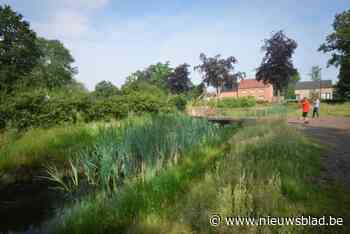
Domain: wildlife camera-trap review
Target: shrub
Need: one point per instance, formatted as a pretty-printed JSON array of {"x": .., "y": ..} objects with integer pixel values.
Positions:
[
  {"x": 179, "y": 101},
  {"x": 37, "y": 109},
  {"x": 233, "y": 102}
]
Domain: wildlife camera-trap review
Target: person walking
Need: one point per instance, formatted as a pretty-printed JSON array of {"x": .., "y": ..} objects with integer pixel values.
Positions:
[
  {"x": 305, "y": 105},
  {"x": 316, "y": 108}
]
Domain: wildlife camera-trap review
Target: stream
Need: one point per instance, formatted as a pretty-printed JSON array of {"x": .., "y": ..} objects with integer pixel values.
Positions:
[{"x": 24, "y": 207}]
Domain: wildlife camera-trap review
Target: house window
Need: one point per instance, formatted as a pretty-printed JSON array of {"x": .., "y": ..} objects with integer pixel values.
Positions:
[
  {"x": 328, "y": 96},
  {"x": 297, "y": 96}
]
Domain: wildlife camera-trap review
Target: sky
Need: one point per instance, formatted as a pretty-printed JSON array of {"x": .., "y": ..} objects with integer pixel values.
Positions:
[{"x": 110, "y": 39}]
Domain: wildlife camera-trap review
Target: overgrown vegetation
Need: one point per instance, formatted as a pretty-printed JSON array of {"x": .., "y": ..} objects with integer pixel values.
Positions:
[
  {"x": 137, "y": 147},
  {"x": 38, "y": 146},
  {"x": 264, "y": 170}
]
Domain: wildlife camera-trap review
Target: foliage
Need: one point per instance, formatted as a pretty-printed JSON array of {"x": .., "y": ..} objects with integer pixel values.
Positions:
[
  {"x": 156, "y": 75},
  {"x": 179, "y": 101},
  {"x": 217, "y": 71},
  {"x": 315, "y": 73},
  {"x": 289, "y": 91},
  {"x": 71, "y": 104},
  {"x": 37, "y": 109},
  {"x": 37, "y": 147},
  {"x": 338, "y": 44},
  {"x": 54, "y": 69},
  {"x": 277, "y": 67},
  {"x": 233, "y": 102},
  {"x": 247, "y": 178},
  {"x": 178, "y": 81},
  {"x": 19, "y": 53},
  {"x": 106, "y": 89},
  {"x": 140, "y": 147}
]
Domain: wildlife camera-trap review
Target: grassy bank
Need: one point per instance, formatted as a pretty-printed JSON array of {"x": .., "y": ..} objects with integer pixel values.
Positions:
[
  {"x": 37, "y": 147},
  {"x": 326, "y": 110},
  {"x": 265, "y": 170}
]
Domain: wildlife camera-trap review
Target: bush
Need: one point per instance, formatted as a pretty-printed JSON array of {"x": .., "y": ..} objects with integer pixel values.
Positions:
[
  {"x": 179, "y": 101},
  {"x": 39, "y": 109},
  {"x": 36, "y": 109},
  {"x": 233, "y": 102}
]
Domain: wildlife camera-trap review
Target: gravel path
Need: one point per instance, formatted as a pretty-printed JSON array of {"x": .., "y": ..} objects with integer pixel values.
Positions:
[{"x": 334, "y": 132}]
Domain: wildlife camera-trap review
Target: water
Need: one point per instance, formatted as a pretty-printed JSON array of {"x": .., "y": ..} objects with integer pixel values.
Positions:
[{"x": 24, "y": 207}]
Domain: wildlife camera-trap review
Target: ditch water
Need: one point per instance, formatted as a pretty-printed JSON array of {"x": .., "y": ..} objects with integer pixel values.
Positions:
[{"x": 24, "y": 207}]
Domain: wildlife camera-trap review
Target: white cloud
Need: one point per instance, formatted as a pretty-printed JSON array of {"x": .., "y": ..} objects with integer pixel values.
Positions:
[
  {"x": 113, "y": 47},
  {"x": 64, "y": 25}
]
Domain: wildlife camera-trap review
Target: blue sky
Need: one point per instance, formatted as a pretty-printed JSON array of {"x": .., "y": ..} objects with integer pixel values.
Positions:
[{"x": 110, "y": 39}]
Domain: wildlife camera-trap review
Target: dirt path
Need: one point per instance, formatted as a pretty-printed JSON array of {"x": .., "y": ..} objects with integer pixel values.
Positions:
[{"x": 334, "y": 132}]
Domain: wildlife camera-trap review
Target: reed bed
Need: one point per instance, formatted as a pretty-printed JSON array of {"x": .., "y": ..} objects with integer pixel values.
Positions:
[{"x": 136, "y": 148}]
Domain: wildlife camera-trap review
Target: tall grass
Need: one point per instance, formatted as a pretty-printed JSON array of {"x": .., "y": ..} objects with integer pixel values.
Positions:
[
  {"x": 140, "y": 147},
  {"x": 264, "y": 170},
  {"x": 39, "y": 146}
]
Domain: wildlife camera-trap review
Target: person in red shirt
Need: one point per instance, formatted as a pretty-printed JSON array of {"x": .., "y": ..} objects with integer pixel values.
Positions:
[{"x": 305, "y": 104}]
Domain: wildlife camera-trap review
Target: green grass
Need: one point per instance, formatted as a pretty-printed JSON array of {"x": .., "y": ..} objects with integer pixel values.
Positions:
[
  {"x": 326, "y": 110},
  {"x": 264, "y": 170},
  {"x": 138, "y": 147},
  {"x": 37, "y": 147}
]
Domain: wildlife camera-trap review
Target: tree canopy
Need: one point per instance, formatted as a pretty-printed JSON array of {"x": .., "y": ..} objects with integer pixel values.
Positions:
[
  {"x": 19, "y": 52},
  {"x": 179, "y": 81},
  {"x": 315, "y": 73},
  {"x": 338, "y": 44},
  {"x": 277, "y": 66},
  {"x": 156, "y": 74},
  {"x": 106, "y": 89},
  {"x": 217, "y": 71},
  {"x": 55, "y": 68}
]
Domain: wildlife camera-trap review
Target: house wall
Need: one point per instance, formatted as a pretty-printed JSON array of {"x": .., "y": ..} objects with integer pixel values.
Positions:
[
  {"x": 228, "y": 94},
  {"x": 326, "y": 93},
  {"x": 265, "y": 94}
]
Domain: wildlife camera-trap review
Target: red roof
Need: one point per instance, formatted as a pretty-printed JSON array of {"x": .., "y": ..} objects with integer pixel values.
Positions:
[{"x": 252, "y": 83}]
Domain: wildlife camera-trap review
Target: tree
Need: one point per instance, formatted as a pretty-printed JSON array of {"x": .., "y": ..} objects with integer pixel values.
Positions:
[
  {"x": 338, "y": 44},
  {"x": 19, "y": 52},
  {"x": 277, "y": 67},
  {"x": 178, "y": 81},
  {"x": 156, "y": 74},
  {"x": 217, "y": 71},
  {"x": 289, "y": 92},
  {"x": 315, "y": 73},
  {"x": 55, "y": 68},
  {"x": 106, "y": 89}
]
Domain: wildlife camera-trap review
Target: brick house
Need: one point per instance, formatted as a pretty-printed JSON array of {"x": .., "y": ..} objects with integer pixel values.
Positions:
[
  {"x": 309, "y": 88},
  {"x": 249, "y": 87}
]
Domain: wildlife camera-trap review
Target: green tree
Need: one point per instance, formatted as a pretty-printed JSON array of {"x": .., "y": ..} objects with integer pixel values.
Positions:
[
  {"x": 289, "y": 92},
  {"x": 156, "y": 75},
  {"x": 55, "y": 68},
  {"x": 217, "y": 71},
  {"x": 277, "y": 66},
  {"x": 338, "y": 44},
  {"x": 106, "y": 89},
  {"x": 315, "y": 74},
  {"x": 19, "y": 52}
]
